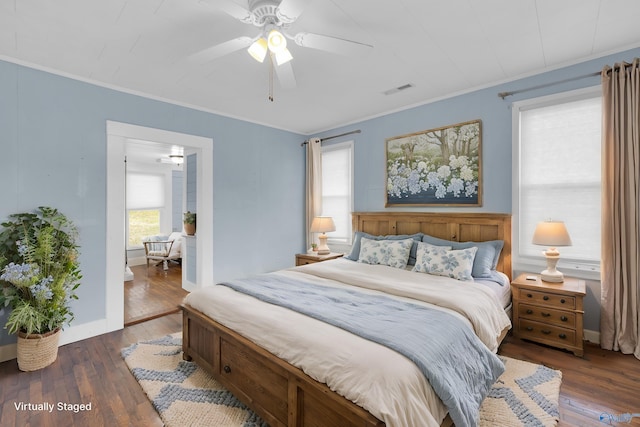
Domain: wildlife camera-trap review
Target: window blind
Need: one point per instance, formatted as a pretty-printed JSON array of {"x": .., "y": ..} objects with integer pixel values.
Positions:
[
  {"x": 144, "y": 191},
  {"x": 337, "y": 189},
  {"x": 559, "y": 175}
]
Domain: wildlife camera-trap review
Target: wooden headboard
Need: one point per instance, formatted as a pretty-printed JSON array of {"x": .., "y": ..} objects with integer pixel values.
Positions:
[{"x": 459, "y": 227}]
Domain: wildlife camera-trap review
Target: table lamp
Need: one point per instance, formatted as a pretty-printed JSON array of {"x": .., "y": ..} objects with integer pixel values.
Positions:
[
  {"x": 551, "y": 234},
  {"x": 322, "y": 224}
]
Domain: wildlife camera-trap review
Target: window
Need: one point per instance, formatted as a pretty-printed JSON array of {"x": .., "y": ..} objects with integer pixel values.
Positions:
[
  {"x": 557, "y": 173},
  {"x": 337, "y": 189},
  {"x": 142, "y": 223},
  {"x": 145, "y": 200}
]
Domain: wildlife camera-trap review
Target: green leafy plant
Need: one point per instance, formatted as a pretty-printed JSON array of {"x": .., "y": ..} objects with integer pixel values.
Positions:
[
  {"x": 40, "y": 271},
  {"x": 189, "y": 217}
]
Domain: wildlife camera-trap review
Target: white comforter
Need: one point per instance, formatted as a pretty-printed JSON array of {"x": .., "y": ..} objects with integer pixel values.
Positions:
[{"x": 384, "y": 382}]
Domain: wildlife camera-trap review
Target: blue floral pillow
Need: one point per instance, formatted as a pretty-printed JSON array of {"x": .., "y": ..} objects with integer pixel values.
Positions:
[
  {"x": 394, "y": 253},
  {"x": 442, "y": 261}
]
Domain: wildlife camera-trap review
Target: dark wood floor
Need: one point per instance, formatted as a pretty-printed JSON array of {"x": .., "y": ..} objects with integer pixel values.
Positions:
[
  {"x": 86, "y": 372},
  {"x": 92, "y": 371},
  {"x": 153, "y": 293},
  {"x": 600, "y": 383}
]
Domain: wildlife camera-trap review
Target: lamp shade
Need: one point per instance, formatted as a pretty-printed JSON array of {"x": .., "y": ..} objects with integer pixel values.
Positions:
[
  {"x": 276, "y": 41},
  {"x": 258, "y": 50},
  {"x": 322, "y": 224},
  {"x": 551, "y": 233}
]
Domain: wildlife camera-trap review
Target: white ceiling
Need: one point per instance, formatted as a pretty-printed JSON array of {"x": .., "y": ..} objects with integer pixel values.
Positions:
[{"x": 441, "y": 47}]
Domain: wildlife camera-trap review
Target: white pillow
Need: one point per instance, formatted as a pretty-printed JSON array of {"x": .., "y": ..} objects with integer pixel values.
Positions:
[
  {"x": 394, "y": 253},
  {"x": 442, "y": 261}
]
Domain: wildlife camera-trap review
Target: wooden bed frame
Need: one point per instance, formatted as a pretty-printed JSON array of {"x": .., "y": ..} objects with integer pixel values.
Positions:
[{"x": 282, "y": 394}]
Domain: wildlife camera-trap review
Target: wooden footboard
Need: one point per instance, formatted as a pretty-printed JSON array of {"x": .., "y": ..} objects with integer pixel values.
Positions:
[{"x": 280, "y": 393}]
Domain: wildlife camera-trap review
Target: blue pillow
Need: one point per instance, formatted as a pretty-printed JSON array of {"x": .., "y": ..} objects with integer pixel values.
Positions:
[
  {"x": 486, "y": 258},
  {"x": 355, "y": 249}
]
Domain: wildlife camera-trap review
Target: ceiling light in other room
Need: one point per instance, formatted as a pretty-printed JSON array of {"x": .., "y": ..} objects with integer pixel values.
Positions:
[{"x": 176, "y": 158}]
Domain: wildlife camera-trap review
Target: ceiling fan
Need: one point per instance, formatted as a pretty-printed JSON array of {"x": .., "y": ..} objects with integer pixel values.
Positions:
[{"x": 274, "y": 17}]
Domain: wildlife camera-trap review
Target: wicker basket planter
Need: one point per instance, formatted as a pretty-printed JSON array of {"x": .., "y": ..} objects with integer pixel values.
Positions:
[{"x": 37, "y": 351}]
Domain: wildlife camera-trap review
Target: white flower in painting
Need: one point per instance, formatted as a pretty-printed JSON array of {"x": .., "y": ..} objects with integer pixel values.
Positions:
[
  {"x": 444, "y": 171},
  {"x": 471, "y": 188},
  {"x": 422, "y": 166},
  {"x": 458, "y": 162},
  {"x": 456, "y": 186},
  {"x": 466, "y": 173}
]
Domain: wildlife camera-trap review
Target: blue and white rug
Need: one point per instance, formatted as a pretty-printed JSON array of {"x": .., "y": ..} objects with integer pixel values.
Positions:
[{"x": 185, "y": 395}]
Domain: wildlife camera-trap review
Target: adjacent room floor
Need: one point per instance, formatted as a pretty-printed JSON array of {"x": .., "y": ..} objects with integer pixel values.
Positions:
[{"x": 153, "y": 293}]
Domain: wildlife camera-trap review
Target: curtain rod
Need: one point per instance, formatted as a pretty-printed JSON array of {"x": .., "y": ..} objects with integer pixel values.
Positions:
[
  {"x": 334, "y": 136},
  {"x": 503, "y": 95}
]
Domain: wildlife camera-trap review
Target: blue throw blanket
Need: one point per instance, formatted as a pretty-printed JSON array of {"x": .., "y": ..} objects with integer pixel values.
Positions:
[{"x": 459, "y": 367}]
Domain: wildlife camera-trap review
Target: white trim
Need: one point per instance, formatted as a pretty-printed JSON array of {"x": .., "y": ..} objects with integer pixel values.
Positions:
[
  {"x": 69, "y": 335},
  {"x": 592, "y": 336},
  {"x": 117, "y": 135}
]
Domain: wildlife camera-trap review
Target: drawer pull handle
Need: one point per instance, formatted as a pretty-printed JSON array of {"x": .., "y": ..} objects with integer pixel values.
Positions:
[
  {"x": 545, "y": 314},
  {"x": 227, "y": 369},
  {"x": 562, "y": 301},
  {"x": 529, "y": 311},
  {"x": 563, "y": 336},
  {"x": 564, "y": 318},
  {"x": 529, "y": 296},
  {"x": 546, "y": 298},
  {"x": 546, "y": 332},
  {"x": 529, "y": 328}
]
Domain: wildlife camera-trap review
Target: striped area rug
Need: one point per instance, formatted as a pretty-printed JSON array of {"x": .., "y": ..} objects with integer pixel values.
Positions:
[{"x": 185, "y": 395}]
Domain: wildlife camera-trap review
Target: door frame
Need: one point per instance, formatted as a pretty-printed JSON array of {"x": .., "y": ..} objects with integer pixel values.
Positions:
[{"x": 117, "y": 135}]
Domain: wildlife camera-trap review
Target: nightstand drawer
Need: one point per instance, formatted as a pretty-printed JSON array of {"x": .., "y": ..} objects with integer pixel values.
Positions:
[
  {"x": 543, "y": 332},
  {"x": 548, "y": 299},
  {"x": 565, "y": 319}
]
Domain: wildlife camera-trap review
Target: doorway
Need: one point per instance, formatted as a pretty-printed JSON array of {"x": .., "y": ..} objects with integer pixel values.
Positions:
[{"x": 117, "y": 136}]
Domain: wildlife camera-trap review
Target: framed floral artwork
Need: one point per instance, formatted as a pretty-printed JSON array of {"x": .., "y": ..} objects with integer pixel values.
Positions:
[{"x": 436, "y": 167}]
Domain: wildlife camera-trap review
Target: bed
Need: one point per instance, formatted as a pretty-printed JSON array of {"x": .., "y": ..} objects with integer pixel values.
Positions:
[{"x": 300, "y": 371}]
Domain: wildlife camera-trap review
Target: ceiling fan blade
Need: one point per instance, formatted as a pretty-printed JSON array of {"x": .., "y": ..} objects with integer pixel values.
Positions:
[
  {"x": 229, "y": 7},
  {"x": 290, "y": 10},
  {"x": 331, "y": 44},
  {"x": 219, "y": 50},
  {"x": 285, "y": 74}
]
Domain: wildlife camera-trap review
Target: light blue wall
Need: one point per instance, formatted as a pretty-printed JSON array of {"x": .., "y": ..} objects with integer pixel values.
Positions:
[
  {"x": 495, "y": 114},
  {"x": 53, "y": 144},
  {"x": 176, "y": 200}
]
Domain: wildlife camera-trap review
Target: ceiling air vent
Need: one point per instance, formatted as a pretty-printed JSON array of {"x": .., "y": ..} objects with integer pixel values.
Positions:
[{"x": 398, "y": 89}]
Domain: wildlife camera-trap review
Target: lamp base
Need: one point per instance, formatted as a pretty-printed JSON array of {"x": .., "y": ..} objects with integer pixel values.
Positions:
[
  {"x": 552, "y": 276},
  {"x": 323, "y": 249}
]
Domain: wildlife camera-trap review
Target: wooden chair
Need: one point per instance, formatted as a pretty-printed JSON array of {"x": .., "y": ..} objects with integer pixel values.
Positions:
[{"x": 162, "y": 251}]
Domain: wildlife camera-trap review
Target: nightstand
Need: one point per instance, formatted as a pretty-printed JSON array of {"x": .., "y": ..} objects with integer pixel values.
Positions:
[
  {"x": 303, "y": 259},
  {"x": 549, "y": 313}
]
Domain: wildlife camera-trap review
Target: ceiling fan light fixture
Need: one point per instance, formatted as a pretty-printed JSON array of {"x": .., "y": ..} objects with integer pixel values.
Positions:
[
  {"x": 283, "y": 56},
  {"x": 276, "y": 41},
  {"x": 258, "y": 49}
]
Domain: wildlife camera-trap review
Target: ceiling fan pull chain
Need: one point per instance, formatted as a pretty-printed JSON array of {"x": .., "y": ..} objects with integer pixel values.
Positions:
[{"x": 271, "y": 78}]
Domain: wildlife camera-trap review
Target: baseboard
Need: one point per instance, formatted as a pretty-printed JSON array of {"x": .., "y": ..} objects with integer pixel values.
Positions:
[
  {"x": 8, "y": 352},
  {"x": 132, "y": 262},
  {"x": 68, "y": 336},
  {"x": 592, "y": 336}
]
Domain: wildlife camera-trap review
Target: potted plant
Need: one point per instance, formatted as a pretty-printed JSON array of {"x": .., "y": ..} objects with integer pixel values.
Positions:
[
  {"x": 189, "y": 221},
  {"x": 39, "y": 274}
]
